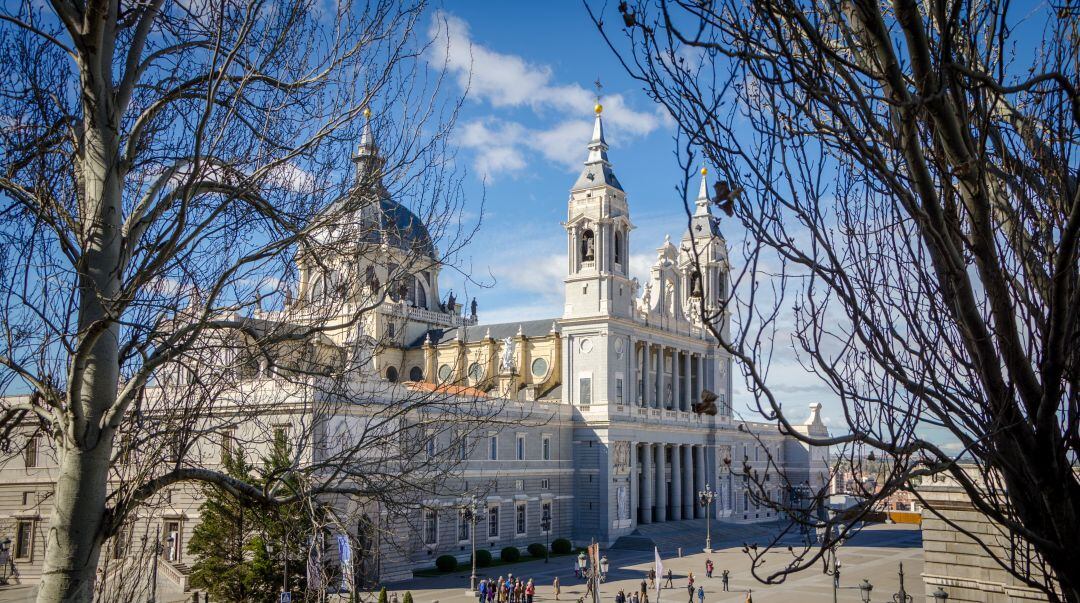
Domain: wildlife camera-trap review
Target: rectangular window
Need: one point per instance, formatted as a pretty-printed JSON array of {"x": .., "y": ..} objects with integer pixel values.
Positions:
[
  {"x": 585, "y": 391},
  {"x": 172, "y": 544},
  {"x": 431, "y": 447},
  {"x": 493, "y": 522},
  {"x": 228, "y": 437},
  {"x": 27, "y": 499},
  {"x": 520, "y": 447},
  {"x": 31, "y": 453},
  {"x": 519, "y": 484},
  {"x": 463, "y": 527},
  {"x": 545, "y": 514},
  {"x": 24, "y": 540},
  {"x": 547, "y": 448},
  {"x": 463, "y": 447},
  {"x": 618, "y": 390},
  {"x": 493, "y": 447},
  {"x": 431, "y": 526},
  {"x": 545, "y": 484},
  {"x": 521, "y": 525}
]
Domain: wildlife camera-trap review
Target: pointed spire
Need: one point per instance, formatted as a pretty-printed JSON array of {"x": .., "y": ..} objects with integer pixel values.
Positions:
[
  {"x": 367, "y": 152},
  {"x": 597, "y": 166},
  {"x": 702, "y": 202}
]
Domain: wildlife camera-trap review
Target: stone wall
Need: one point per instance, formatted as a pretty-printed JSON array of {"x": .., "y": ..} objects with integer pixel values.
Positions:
[{"x": 956, "y": 562}]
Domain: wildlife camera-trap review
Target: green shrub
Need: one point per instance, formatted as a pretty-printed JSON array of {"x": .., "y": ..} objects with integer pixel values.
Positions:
[
  {"x": 510, "y": 554},
  {"x": 382, "y": 596},
  {"x": 408, "y": 597},
  {"x": 561, "y": 546},
  {"x": 446, "y": 563},
  {"x": 483, "y": 558},
  {"x": 537, "y": 550}
]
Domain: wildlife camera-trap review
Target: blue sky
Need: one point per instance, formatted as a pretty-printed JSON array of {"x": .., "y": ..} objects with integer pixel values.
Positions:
[{"x": 522, "y": 134}]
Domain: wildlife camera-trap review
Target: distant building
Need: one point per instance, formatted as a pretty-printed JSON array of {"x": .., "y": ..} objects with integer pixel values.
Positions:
[{"x": 630, "y": 439}]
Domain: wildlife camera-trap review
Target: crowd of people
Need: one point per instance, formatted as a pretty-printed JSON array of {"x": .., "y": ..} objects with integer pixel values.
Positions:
[
  {"x": 508, "y": 590},
  {"x": 517, "y": 590}
]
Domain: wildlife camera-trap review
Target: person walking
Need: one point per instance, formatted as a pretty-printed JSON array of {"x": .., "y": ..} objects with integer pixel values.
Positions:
[
  {"x": 555, "y": 586},
  {"x": 708, "y": 568},
  {"x": 690, "y": 591},
  {"x": 690, "y": 576},
  {"x": 668, "y": 583},
  {"x": 652, "y": 578},
  {"x": 701, "y": 594},
  {"x": 724, "y": 577},
  {"x": 481, "y": 591},
  {"x": 621, "y": 597},
  {"x": 530, "y": 591}
]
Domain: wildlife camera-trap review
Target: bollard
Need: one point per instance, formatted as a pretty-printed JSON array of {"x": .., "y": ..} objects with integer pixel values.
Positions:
[{"x": 680, "y": 552}]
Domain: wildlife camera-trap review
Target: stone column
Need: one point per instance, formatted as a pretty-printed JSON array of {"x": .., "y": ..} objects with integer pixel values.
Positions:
[
  {"x": 661, "y": 486},
  {"x": 645, "y": 511},
  {"x": 634, "y": 485},
  {"x": 689, "y": 494},
  {"x": 699, "y": 476},
  {"x": 688, "y": 391},
  {"x": 676, "y": 483},
  {"x": 632, "y": 397},
  {"x": 676, "y": 380},
  {"x": 661, "y": 378},
  {"x": 647, "y": 353}
]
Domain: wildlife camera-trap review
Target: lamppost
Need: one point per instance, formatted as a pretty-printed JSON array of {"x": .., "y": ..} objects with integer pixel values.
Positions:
[
  {"x": 603, "y": 568},
  {"x": 706, "y": 497},
  {"x": 902, "y": 596},
  {"x": 581, "y": 562},
  {"x": 472, "y": 513},
  {"x": 545, "y": 525},
  {"x": 864, "y": 590},
  {"x": 5, "y": 560},
  {"x": 939, "y": 595}
]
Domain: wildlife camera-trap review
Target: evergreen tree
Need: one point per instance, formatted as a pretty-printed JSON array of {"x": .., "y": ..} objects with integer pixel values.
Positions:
[
  {"x": 220, "y": 541},
  {"x": 243, "y": 550}
]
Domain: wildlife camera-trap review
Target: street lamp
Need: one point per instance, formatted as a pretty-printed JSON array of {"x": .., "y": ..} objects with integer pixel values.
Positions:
[
  {"x": 706, "y": 497},
  {"x": 472, "y": 513},
  {"x": 603, "y": 568},
  {"x": 581, "y": 563},
  {"x": 939, "y": 595},
  {"x": 864, "y": 590},
  {"x": 902, "y": 596},
  {"x": 545, "y": 525}
]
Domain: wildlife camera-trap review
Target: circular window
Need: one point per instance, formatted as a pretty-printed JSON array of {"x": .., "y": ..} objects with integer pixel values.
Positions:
[
  {"x": 444, "y": 373},
  {"x": 416, "y": 374},
  {"x": 476, "y": 372},
  {"x": 539, "y": 367},
  {"x": 391, "y": 375}
]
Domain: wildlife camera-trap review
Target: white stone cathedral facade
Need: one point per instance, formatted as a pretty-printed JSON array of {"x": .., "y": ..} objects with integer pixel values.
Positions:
[{"x": 619, "y": 375}]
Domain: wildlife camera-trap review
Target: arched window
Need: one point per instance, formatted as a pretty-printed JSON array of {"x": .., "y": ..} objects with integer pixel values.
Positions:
[
  {"x": 618, "y": 247},
  {"x": 419, "y": 293},
  {"x": 588, "y": 246},
  {"x": 318, "y": 288},
  {"x": 416, "y": 374},
  {"x": 391, "y": 374}
]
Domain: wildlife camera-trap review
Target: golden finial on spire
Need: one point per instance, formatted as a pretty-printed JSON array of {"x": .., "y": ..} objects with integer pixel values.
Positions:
[
  {"x": 367, "y": 112},
  {"x": 598, "y": 109},
  {"x": 704, "y": 171}
]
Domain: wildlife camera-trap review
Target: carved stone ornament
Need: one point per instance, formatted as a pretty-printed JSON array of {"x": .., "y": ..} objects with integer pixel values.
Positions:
[{"x": 620, "y": 455}]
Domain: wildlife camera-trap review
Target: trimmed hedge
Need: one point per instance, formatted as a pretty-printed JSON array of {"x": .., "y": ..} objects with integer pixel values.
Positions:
[
  {"x": 446, "y": 563},
  {"x": 483, "y": 558},
  {"x": 510, "y": 554},
  {"x": 383, "y": 596},
  {"x": 408, "y": 597},
  {"x": 537, "y": 550},
  {"x": 561, "y": 546}
]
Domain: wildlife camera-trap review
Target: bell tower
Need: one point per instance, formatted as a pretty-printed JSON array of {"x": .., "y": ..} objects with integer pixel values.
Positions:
[{"x": 597, "y": 238}]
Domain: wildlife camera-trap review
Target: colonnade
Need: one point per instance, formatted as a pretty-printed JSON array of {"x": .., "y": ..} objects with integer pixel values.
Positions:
[
  {"x": 667, "y": 377},
  {"x": 669, "y": 479}
]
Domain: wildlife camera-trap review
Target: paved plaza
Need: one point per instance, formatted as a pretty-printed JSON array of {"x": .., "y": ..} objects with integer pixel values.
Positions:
[{"x": 874, "y": 554}]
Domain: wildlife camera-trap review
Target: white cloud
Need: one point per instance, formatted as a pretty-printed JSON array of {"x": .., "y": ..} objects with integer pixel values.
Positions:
[{"x": 509, "y": 81}]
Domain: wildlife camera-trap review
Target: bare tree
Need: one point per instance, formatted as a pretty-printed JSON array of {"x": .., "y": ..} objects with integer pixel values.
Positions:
[
  {"x": 906, "y": 175},
  {"x": 184, "y": 213}
]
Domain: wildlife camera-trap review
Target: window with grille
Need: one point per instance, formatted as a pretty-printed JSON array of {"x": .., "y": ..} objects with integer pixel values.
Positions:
[
  {"x": 547, "y": 448},
  {"x": 521, "y": 448},
  {"x": 521, "y": 525},
  {"x": 24, "y": 540},
  {"x": 493, "y": 522},
  {"x": 463, "y": 527},
  {"x": 431, "y": 526}
]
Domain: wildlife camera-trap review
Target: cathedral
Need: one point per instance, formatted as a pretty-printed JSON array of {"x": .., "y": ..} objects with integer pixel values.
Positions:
[{"x": 635, "y": 390}]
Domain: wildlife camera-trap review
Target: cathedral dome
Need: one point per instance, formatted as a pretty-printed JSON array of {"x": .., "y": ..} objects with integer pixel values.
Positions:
[{"x": 399, "y": 227}]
